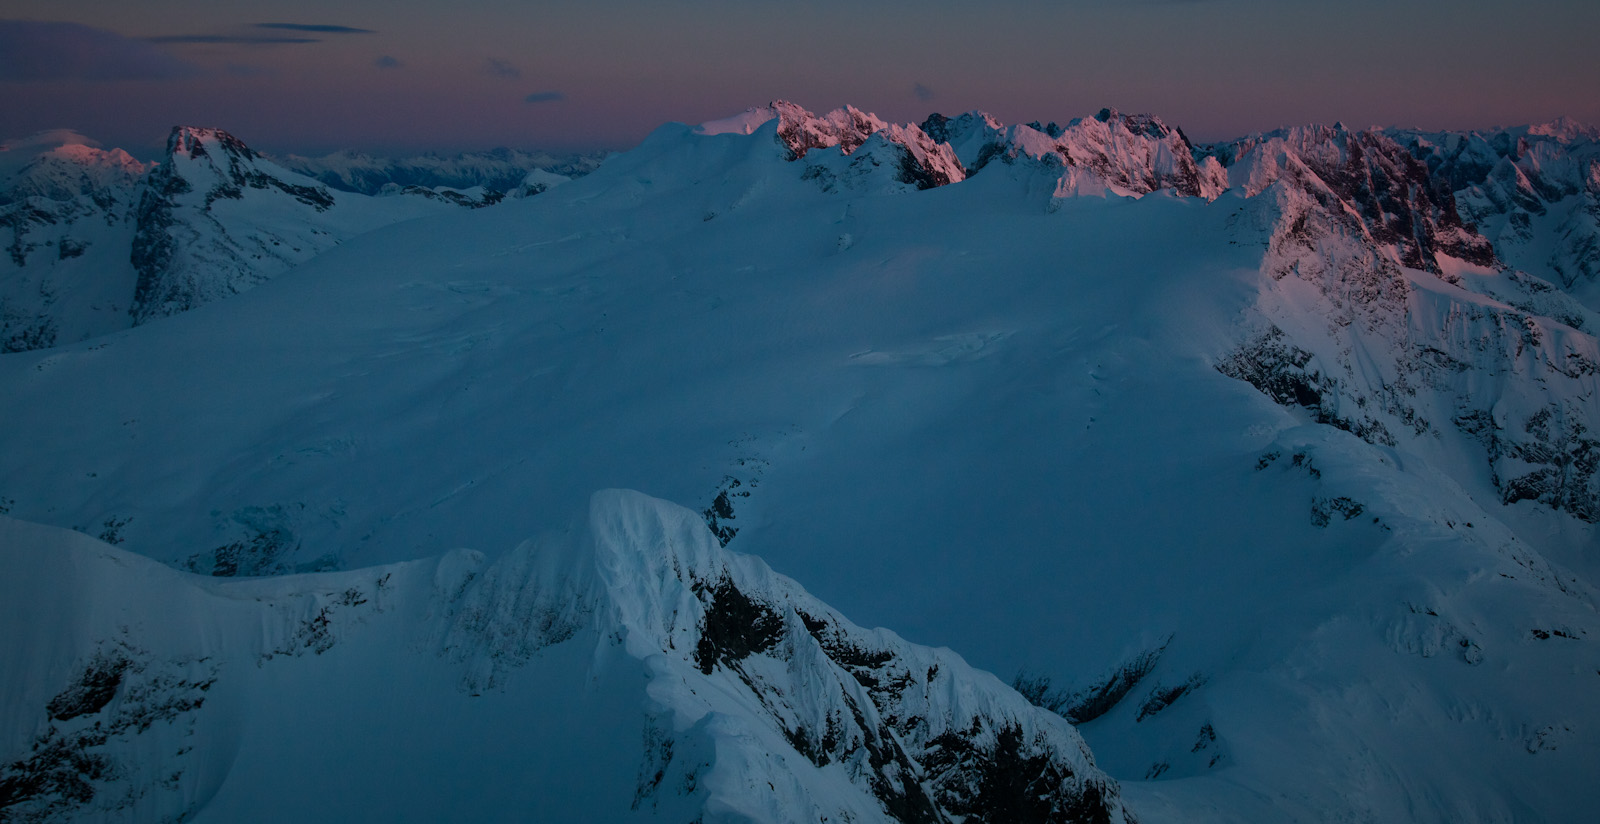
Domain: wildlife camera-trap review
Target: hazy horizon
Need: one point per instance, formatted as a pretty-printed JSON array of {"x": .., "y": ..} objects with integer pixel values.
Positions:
[{"x": 294, "y": 77}]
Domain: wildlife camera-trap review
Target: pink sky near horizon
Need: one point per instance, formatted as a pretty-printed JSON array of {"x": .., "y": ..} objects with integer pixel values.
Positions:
[{"x": 619, "y": 68}]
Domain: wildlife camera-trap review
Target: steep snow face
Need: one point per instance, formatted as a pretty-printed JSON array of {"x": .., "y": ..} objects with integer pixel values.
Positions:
[
  {"x": 758, "y": 703},
  {"x": 68, "y": 206}
]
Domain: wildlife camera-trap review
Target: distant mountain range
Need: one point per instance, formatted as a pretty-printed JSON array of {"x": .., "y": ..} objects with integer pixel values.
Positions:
[{"x": 99, "y": 241}]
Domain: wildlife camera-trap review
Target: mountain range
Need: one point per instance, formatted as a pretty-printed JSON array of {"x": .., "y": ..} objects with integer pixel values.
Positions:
[{"x": 1260, "y": 474}]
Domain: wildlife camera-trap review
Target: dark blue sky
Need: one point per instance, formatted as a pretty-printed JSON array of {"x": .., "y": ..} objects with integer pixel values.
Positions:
[{"x": 419, "y": 74}]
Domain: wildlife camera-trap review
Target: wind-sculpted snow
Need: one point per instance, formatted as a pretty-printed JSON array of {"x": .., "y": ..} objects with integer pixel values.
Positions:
[{"x": 759, "y": 703}]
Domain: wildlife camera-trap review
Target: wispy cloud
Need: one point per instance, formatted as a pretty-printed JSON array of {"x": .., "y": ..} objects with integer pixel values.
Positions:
[
  {"x": 320, "y": 28},
  {"x": 500, "y": 68},
  {"x": 922, "y": 92},
  {"x": 233, "y": 39},
  {"x": 387, "y": 62},
  {"x": 43, "y": 51},
  {"x": 544, "y": 97}
]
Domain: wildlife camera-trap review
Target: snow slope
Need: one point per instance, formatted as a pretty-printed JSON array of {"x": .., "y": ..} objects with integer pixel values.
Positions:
[
  {"x": 1282, "y": 493},
  {"x": 154, "y": 695}
]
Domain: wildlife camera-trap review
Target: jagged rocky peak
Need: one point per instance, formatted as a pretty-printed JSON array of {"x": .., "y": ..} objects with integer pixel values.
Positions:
[
  {"x": 190, "y": 141},
  {"x": 1369, "y": 175},
  {"x": 1143, "y": 125},
  {"x": 1111, "y": 153},
  {"x": 913, "y": 157},
  {"x": 222, "y": 165},
  {"x": 1566, "y": 130},
  {"x": 847, "y": 127}
]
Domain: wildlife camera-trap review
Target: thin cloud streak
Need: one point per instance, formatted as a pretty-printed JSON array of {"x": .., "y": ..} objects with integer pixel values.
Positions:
[
  {"x": 233, "y": 39},
  {"x": 319, "y": 28}
]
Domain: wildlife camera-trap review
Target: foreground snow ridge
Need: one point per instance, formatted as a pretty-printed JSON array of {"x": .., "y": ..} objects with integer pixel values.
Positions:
[{"x": 759, "y": 702}]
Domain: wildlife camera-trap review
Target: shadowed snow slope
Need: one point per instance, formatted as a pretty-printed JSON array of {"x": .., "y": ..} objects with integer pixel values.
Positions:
[{"x": 1285, "y": 495}]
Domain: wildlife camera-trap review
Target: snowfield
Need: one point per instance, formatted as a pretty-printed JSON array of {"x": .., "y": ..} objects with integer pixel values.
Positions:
[{"x": 1257, "y": 466}]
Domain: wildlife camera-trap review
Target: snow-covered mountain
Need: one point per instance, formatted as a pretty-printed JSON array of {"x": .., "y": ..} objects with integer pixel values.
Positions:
[
  {"x": 1260, "y": 463},
  {"x": 1534, "y": 192},
  {"x": 70, "y": 210},
  {"x": 100, "y": 241},
  {"x": 507, "y": 171},
  {"x": 715, "y": 688},
  {"x": 216, "y": 219}
]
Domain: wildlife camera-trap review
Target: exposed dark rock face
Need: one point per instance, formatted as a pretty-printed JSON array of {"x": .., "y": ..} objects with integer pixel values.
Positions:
[
  {"x": 1534, "y": 192},
  {"x": 919, "y": 769},
  {"x": 74, "y": 761},
  {"x": 721, "y": 510},
  {"x": 93, "y": 690},
  {"x": 1016, "y": 781},
  {"x": 1084, "y": 705},
  {"x": 1161, "y": 696},
  {"x": 1282, "y": 372},
  {"x": 1551, "y": 458},
  {"x": 735, "y": 627}
]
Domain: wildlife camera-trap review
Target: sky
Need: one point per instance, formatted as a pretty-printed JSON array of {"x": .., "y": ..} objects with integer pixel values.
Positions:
[{"x": 415, "y": 75}]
